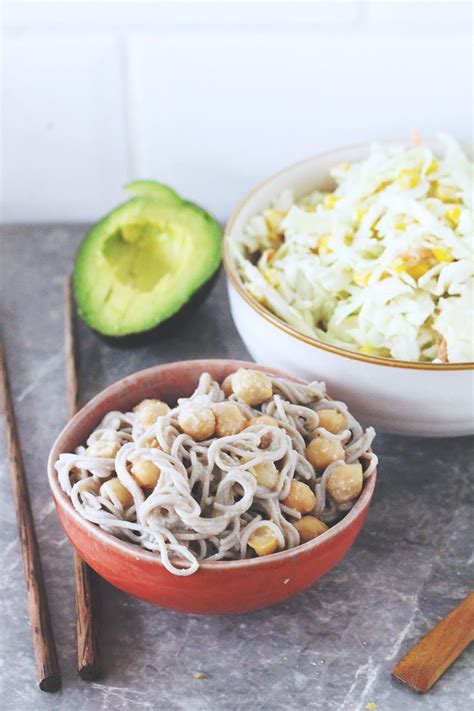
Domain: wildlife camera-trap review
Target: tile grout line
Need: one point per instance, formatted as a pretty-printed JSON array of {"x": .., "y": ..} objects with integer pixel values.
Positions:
[{"x": 128, "y": 112}]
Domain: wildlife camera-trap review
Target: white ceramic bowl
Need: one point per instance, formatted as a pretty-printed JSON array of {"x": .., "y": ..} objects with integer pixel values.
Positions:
[{"x": 409, "y": 398}]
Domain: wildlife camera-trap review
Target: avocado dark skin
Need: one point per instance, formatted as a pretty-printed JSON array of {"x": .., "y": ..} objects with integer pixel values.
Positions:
[{"x": 170, "y": 327}]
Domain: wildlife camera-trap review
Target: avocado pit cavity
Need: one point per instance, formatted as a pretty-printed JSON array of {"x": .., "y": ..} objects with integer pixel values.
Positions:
[{"x": 140, "y": 255}]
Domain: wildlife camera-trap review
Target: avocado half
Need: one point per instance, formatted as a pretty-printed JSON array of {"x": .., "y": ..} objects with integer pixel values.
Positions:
[{"x": 144, "y": 261}]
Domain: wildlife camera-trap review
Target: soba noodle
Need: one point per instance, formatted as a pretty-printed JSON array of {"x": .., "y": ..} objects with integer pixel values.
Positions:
[{"x": 207, "y": 502}]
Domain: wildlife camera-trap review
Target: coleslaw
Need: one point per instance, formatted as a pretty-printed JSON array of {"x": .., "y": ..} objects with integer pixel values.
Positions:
[{"x": 383, "y": 265}]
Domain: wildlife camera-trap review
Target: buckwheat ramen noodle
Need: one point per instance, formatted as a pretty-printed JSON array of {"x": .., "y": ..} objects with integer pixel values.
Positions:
[{"x": 243, "y": 468}]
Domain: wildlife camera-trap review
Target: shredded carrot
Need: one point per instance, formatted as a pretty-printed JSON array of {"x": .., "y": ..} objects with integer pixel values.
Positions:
[
  {"x": 415, "y": 138},
  {"x": 443, "y": 351}
]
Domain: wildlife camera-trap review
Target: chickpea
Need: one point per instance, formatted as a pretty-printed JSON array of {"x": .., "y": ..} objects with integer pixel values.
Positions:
[
  {"x": 150, "y": 443},
  {"x": 266, "y": 474},
  {"x": 145, "y": 473},
  {"x": 332, "y": 420},
  {"x": 148, "y": 411},
  {"x": 309, "y": 527},
  {"x": 229, "y": 419},
  {"x": 301, "y": 497},
  {"x": 263, "y": 541},
  {"x": 226, "y": 385},
  {"x": 266, "y": 440},
  {"x": 251, "y": 386},
  {"x": 322, "y": 451},
  {"x": 197, "y": 422},
  {"x": 160, "y": 406},
  {"x": 75, "y": 473},
  {"x": 103, "y": 448},
  {"x": 344, "y": 483},
  {"x": 262, "y": 420},
  {"x": 115, "y": 487}
]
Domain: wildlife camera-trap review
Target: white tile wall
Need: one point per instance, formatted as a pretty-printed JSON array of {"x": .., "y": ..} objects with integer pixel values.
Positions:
[
  {"x": 211, "y": 98},
  {"x": 223, "y": 111},
  {"x": 64, "y": 150}
]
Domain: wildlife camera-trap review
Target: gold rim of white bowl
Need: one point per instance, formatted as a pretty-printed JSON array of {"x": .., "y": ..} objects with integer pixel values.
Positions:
[{"x": 236, "y": 281}]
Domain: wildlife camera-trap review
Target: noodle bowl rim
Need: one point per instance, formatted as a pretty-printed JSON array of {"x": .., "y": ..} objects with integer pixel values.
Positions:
[{"x": 133, "y": 550}]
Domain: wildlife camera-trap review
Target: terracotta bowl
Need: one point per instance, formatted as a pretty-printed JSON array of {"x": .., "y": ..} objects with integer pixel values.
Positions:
[{"x": 218, "y": 587}]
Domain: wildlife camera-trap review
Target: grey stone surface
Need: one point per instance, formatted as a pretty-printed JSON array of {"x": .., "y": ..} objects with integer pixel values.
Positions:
[{"x": 331, "y": 648}]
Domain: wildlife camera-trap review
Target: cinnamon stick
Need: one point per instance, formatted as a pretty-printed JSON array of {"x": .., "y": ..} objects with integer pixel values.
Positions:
[
  {"x": 429, "y": 658},
  {"x": 47, "y": 667},
  {"x": 87, "y": 637}
]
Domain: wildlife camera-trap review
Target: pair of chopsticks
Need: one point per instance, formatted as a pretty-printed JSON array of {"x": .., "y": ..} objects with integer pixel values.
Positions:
[{"x": 44, "y": 647}]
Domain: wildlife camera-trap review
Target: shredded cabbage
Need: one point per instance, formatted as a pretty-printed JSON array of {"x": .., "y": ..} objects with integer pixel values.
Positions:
[{"x": 384, "y": 265}]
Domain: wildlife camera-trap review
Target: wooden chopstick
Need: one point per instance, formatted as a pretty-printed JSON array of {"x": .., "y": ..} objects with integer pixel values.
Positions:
[
  {"x": 72, "y": 381},
  {"x": 429, "y": 658},
  {"x": 87, "y": 634},
  {"x": 47, "y": 667}
]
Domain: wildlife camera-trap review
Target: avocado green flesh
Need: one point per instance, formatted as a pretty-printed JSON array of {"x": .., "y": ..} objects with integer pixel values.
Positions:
[
  {"x": 142, "y": 263},
  {"x": 158, "y": 191}
]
